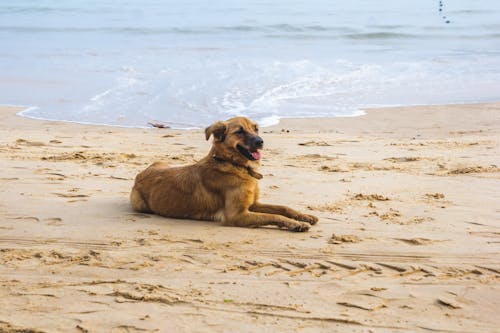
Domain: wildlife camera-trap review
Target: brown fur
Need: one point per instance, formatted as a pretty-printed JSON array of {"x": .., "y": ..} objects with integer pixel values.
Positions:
[{"x": 222, "y": 186}]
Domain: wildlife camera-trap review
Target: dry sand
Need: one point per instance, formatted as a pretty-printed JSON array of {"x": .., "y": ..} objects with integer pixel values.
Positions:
[{"x": 408, "y": 238}]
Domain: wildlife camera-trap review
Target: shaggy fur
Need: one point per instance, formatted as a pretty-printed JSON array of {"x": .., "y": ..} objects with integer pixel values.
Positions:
[{"x": 223, "y": 186}]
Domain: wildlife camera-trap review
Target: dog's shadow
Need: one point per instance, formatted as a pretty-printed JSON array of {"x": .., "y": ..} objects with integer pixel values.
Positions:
[
  {"x": 123, "y": 213},
  {"x": 145, "y": 219}
]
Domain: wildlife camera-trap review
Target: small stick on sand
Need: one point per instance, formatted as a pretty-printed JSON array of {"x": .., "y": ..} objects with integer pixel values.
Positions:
[{"x": 157, "y": 124}]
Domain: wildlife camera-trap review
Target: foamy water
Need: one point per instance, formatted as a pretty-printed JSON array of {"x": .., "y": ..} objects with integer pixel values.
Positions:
[{"x": 192, "y": 62}]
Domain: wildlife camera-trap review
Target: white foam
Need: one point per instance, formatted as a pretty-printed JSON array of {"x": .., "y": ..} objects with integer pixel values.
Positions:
[
  {"x": 268, "y": 121},
  {"x": 23, "y": 113},
  {"x": 101, "y": 95}
]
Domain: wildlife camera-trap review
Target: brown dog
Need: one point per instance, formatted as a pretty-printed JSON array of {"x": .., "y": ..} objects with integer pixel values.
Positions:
[{"x": 222, "y": 186}]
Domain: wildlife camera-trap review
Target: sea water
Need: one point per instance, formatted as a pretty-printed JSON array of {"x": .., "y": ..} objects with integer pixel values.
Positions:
[{"x": 189, "y": 63}]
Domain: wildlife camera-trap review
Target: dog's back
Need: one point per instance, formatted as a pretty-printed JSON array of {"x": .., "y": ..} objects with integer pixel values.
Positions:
[{"x": 175, "y": 192}]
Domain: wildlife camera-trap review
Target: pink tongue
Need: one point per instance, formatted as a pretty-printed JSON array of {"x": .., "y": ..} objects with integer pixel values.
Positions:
[{"x": 256, "y": 155}]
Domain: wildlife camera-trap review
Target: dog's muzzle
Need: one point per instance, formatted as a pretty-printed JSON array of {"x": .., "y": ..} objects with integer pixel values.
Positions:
[{"x": 252, "y": 153}]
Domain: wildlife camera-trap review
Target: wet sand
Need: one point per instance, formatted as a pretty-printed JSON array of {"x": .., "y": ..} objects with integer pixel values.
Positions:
[{"x": 408, "y": 238}]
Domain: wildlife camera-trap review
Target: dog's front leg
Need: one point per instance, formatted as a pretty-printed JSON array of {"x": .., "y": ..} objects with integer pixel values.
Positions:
[
  {"x": 253, "y": 220},
  {"x": 285, "y": 211},
  {"x": 237, "y": 213}
]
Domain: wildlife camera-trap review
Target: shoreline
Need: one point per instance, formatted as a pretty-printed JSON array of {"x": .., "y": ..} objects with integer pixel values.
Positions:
[
  {"x": 282, "y": 122},
  {"x": 407, "y": 239},
  {"x": 358, "y": 113}
]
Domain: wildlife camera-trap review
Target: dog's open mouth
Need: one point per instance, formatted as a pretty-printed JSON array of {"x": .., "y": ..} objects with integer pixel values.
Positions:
[{"x": 251, "y": 155}]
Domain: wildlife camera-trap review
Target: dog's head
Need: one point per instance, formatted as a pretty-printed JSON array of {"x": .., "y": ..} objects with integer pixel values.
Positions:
[{"x": 236, "y": 140}]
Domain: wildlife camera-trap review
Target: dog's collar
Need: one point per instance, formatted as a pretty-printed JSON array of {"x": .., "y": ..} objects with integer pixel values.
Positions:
[{"x": 250, "y": 171}]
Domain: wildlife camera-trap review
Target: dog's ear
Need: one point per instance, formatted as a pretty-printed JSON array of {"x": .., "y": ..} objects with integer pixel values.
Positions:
[{"x": 218, "y": 129}]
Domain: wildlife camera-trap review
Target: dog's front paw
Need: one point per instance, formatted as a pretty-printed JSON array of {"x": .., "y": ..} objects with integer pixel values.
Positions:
[
  {"x": 299, "y": 227},
  {"x": 311, "y": 219}
]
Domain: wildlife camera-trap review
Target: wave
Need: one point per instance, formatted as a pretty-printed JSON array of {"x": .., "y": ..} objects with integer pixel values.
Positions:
[
  {"x": 271, "y": 32},
  {"x": 5, "y": 9},
  {"x": 180, "y": 30},
  {"x": 382, "y": 35}
]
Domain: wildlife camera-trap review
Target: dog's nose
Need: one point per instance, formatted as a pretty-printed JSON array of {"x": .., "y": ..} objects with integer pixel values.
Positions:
[{"x": 259, "y": 143}]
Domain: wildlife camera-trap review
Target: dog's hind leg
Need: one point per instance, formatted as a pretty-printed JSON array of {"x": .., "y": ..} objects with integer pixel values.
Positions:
[{"x": 138, "y": 203}]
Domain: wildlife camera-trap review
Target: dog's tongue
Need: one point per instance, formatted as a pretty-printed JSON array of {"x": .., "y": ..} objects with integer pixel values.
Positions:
[{"x": 256, "y": 155}]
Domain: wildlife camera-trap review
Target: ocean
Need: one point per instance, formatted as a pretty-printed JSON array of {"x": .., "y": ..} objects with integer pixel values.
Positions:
[{"x": 189, "y": 63}]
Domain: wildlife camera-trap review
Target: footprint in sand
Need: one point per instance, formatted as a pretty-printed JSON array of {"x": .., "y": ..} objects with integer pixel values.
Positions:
[
  {"x": 419, "y": 219},
  {"x": 436, "y": 196},
  {"x": 402, "y": 159},
  {"x": 340, "y": 239},
  {"x": 120, "y": 178},
  {"x": 71, "y": 195},
  {"x": 315, "y": 143},
  {"x": 132, "y": 216},
  {"x": 29, "y": 143},
  {"x": 56, "y": 221},
  {"x": 418, "y": 241},
  {"x": 370, "y": 197},
  {"x": 333, "y": 207},
  {"x": 332, "y": 169},
  {"x": 75, "y": 197},
  {"x": 449, "y": 303},
  {"x": 367, "y": 301},
  {"x": 60, "y": 175},
  {"x": 391, "y": 215},
  {"x": 474, "y": 169},
  {"x": 26, "y": 218}
]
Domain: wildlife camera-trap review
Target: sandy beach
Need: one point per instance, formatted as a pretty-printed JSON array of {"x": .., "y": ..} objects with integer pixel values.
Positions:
[{"x": 408, "y": 238}]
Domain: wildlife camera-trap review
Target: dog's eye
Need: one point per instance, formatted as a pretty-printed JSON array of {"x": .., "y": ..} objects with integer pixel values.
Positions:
[
  {"x": 256, "y": 129},
  {"x": 240, "y": 131}
]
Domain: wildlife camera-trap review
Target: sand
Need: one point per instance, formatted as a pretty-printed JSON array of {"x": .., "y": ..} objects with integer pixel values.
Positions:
[{"x": 408, "y": 238}]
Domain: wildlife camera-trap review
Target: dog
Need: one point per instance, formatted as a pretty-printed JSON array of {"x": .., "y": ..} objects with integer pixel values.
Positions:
[{"x": 223, "y": 186}]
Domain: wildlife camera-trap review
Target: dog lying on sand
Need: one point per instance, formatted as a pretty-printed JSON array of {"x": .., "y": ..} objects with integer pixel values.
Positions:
[{"x": 223, "y": 186}]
